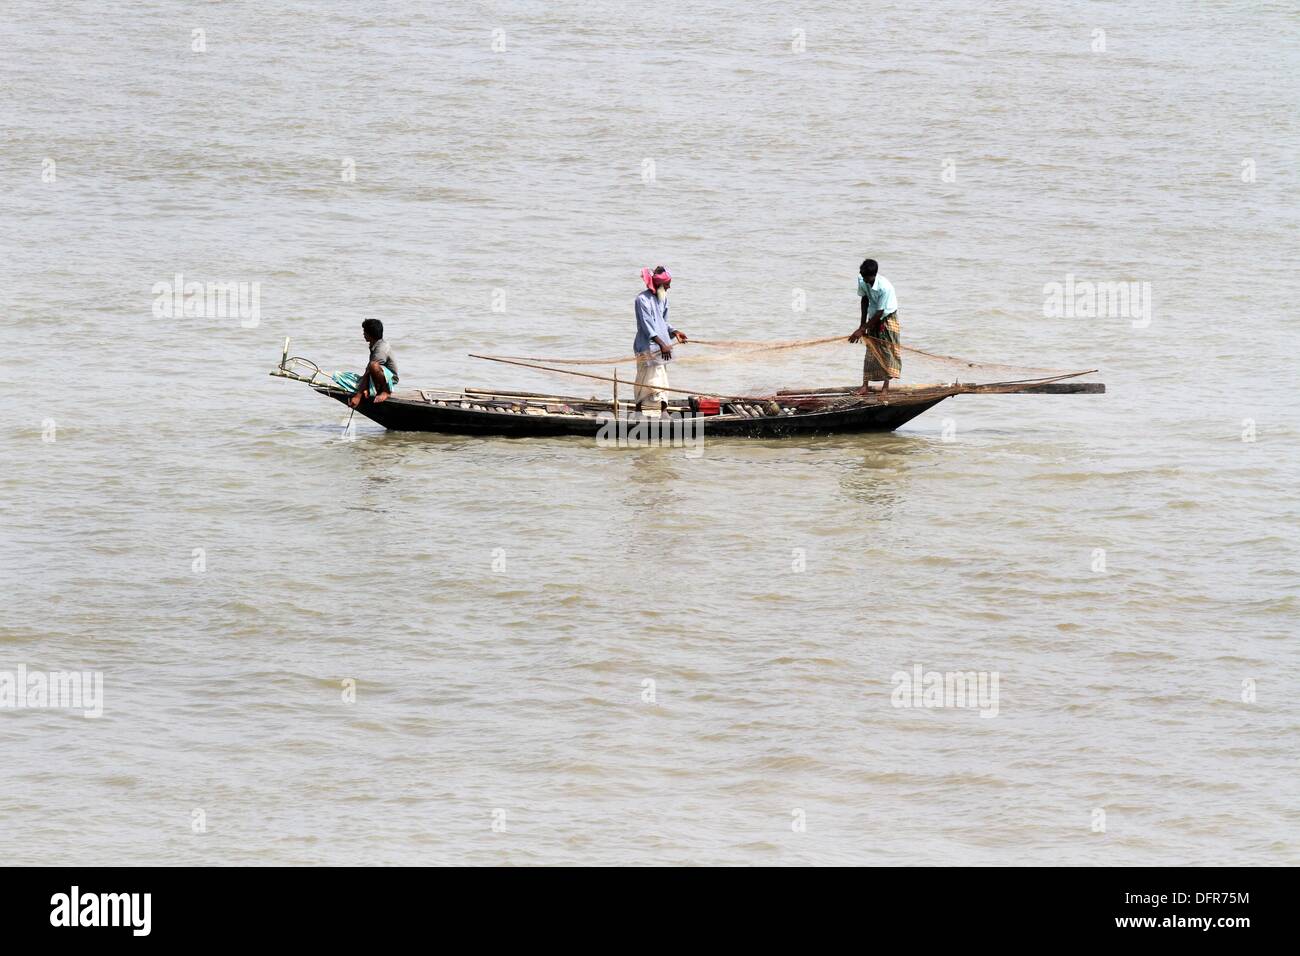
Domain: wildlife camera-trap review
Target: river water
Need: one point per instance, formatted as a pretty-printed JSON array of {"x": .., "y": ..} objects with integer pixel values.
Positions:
[{"x": 396, "y": 648}]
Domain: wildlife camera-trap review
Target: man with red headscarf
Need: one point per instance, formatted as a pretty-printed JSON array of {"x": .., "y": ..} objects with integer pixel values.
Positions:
[{"x": 654, "y": 340}]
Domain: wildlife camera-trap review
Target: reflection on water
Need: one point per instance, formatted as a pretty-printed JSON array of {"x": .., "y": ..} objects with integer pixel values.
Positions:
[
  {"x": 650, "y": 494},
  {"x": 877, "y": 473}
]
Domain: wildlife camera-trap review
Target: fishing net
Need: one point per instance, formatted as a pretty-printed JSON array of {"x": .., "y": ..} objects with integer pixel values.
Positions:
[{"x": 739, "y": 367}]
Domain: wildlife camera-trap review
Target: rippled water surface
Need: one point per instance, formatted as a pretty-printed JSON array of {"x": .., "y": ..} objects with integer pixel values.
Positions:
[{"x": 1126, "y": 564}]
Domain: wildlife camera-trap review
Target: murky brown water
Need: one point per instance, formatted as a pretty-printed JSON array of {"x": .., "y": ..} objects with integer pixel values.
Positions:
[{"x": 1124, "y": 564}]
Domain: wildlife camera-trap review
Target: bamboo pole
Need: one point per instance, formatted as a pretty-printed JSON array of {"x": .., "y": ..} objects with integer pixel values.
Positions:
[
  {"x": 606, "y": 378},
  {"x": 548, "y": 396}
]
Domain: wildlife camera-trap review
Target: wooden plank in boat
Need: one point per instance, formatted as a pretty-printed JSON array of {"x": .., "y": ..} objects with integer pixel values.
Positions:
[{"x": 1062, "y": 388}]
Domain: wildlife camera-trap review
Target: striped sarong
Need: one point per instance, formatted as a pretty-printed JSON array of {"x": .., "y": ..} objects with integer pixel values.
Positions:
[{"x": 884, "y": 358}]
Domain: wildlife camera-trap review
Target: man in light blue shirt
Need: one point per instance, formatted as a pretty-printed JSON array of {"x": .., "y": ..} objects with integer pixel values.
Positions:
[
  {"x": 654, "y": 340},
  {"x": 879, "y": 326}
]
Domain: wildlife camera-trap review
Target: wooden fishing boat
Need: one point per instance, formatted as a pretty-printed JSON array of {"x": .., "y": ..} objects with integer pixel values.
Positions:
[{"x": 475, "y": 411}]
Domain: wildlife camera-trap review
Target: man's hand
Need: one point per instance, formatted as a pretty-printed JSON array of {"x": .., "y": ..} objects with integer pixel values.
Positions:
[
  {"x": 665, "y": 352},
  {"x": 679, "y": 335},
  {"x": 857, "y": 334}
]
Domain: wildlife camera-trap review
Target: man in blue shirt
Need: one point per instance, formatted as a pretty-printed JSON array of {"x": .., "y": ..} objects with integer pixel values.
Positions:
[
  {"x": 879, "y": 326},
  {"x": 654, "y": 340}
]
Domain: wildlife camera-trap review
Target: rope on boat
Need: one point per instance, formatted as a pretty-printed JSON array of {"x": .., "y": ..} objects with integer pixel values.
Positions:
[
  {"x": 834, "y": 398},
  {"x": 746, "y": 349},
  {"x": 953, "y": 389},
  {"x": 606, "y": 378},
  {"x": 826, "y": 400}
]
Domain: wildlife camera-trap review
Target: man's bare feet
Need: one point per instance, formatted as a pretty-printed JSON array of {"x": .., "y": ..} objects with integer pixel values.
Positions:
[
  {"x": 382, "y": 397},
  {"x": 354, "y": 401},
  {"x": 864, "y": 390}
]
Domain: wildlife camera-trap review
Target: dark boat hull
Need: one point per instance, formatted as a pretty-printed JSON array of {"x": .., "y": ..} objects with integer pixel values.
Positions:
[{"x": 404, "y": 414}]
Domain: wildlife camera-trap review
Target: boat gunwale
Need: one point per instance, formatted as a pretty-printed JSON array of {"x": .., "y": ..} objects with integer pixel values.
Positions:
[{"x": 931, "y": 395}]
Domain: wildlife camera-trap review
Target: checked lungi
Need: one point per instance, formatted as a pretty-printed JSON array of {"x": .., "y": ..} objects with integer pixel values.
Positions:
[{"x": 884, "y": 358}]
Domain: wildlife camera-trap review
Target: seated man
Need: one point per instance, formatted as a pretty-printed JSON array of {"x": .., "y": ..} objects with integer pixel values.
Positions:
[{"x": 381, "y": 371}]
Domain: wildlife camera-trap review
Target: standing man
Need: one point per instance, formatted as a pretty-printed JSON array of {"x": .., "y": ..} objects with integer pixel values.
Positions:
[
  {"x": 381, "y": 371},
  {"x": 879, "y": 325},
  {"x": 654, "y": 340}
]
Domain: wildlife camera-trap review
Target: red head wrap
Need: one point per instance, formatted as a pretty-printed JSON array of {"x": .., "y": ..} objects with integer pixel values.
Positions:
[{"x": 653, "y": 281}]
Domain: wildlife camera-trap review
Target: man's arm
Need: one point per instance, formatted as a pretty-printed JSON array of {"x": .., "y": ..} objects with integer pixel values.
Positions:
[
  {"x": 645, "y": 323},
  {"x": 861, "y": 330}
]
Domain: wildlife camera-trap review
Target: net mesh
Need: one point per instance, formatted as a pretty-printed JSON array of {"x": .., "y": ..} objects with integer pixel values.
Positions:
[{"x": 739, "y": 367}]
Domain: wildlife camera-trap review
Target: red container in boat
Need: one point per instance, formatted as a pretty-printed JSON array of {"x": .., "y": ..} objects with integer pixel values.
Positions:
[{"x": 706, "y": 406}]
